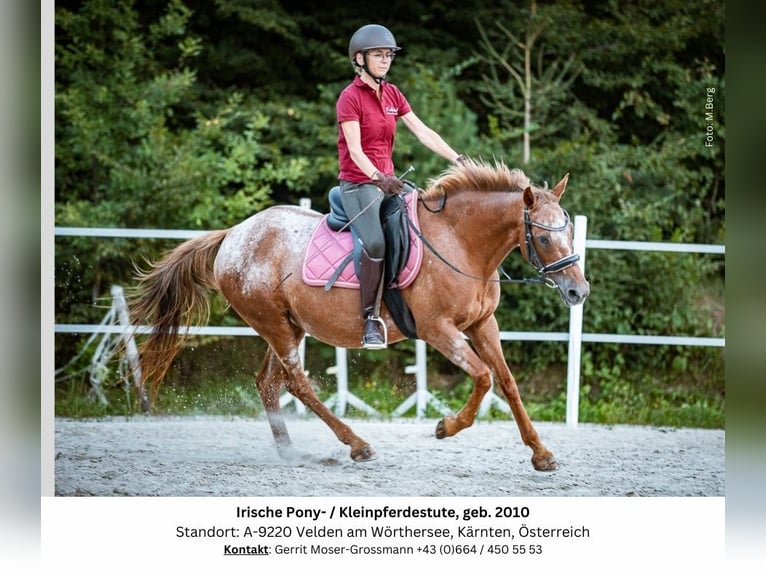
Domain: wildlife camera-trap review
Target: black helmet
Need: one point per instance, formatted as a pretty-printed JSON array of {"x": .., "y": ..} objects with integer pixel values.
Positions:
[{"x": 369, "y": 37}]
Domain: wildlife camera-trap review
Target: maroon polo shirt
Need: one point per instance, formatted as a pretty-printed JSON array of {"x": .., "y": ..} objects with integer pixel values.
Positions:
[{"x": 377, "y": 122}]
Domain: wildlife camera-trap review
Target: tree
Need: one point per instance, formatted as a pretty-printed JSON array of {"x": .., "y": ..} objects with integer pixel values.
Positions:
[{"x": 526, "y": 81}]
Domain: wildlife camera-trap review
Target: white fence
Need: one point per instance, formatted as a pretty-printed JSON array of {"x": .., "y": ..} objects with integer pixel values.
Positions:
[{"x": 422, "y": 398}]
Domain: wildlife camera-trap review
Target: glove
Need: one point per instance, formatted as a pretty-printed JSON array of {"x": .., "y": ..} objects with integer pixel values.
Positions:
[
  {"x": 461, "y": 160},
  {"x": 388, "y": 184}
]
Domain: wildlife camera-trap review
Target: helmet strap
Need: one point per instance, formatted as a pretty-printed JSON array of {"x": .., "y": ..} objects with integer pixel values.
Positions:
[{"x": 377, "y": 79}]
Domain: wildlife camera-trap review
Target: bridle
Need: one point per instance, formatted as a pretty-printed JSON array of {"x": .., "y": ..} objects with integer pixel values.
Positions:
[{"x": 533, "y": 258}]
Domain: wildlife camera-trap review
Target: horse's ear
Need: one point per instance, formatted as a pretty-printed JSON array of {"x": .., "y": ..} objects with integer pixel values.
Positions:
[
  {"x": 558, "y": 191},
  {"x": 529, "y": 197}
]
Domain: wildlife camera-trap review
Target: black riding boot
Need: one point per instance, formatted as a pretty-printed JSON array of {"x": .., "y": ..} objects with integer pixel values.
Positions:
[{"x": 370, "y": 283}]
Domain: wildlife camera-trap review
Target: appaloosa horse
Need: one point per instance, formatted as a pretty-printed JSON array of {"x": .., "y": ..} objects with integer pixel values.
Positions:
[{"x": 471, "y": 217}]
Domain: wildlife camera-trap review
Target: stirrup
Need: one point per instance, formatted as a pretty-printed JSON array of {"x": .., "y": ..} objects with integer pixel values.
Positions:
[{"x": 376, "y": 343}]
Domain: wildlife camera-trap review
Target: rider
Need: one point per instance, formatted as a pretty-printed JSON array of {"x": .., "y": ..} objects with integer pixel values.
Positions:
[{"x": 367, "y": 110}]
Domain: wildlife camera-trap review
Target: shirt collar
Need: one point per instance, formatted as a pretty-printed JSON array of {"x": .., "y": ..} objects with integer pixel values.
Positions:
[{"x": 359, "y": 83}]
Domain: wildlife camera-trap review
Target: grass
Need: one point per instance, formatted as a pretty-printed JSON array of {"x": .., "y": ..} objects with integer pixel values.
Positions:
[{"x": 613, "y": 404}]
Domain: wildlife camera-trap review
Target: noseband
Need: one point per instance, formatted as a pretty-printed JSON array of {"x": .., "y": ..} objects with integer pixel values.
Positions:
[{"x": 532, "y": 256}]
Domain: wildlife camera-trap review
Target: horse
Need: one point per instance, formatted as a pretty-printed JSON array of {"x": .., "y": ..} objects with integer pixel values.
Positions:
[{"x": 472, "y": 217}]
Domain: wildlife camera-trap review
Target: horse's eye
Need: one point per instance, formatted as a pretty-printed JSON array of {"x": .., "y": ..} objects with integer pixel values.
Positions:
[{"x": 544, "y": 239}]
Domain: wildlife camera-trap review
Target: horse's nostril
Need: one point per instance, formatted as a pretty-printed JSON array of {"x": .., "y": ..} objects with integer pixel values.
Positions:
[{"x": 578, "y": 295}]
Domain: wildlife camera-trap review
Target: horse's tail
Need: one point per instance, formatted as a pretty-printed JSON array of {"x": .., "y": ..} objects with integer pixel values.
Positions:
[{"x": 173, "y": 294}]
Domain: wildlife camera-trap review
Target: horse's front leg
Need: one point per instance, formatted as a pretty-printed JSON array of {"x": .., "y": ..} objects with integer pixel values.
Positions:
[
  {"x": 486, "y": 339},
  {"x": 451, "y": 343}
]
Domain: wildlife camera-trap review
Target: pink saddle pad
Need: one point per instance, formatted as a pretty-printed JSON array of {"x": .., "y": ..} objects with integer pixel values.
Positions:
[{"x": 328, "y": 249}]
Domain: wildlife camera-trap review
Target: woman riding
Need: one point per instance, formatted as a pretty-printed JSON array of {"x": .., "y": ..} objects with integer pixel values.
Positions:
[{"x": 367, "y": 111}]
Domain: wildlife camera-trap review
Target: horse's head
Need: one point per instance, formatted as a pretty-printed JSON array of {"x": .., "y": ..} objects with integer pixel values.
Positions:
[{"x": 547, "y": 243}]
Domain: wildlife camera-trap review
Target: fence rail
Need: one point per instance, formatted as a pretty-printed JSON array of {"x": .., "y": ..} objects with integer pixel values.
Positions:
[{"x": 422, "y": 398}]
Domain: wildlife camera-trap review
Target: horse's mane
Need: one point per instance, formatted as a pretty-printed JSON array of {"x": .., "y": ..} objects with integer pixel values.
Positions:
[{"x": 477, "y": 175}]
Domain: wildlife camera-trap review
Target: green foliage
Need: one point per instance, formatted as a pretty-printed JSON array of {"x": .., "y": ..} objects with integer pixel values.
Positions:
[
  {"x": 130, "y": 154},
  {"x": 434, "y": 99}
]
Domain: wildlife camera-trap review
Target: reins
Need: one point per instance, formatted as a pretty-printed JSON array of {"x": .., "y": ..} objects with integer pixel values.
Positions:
[{"x": 533, "y": 257}]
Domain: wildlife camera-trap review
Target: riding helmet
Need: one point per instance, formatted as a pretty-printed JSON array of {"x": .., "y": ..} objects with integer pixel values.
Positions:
[{"x": 369, "y": 37}]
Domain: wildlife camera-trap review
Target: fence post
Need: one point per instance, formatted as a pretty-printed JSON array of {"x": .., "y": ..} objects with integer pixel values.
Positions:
[
  {"x": 341, "y": 376},
  {"x": 344, "y": 397},
  {"x": 575, "y": 330},
  {"x": 422, "y": 397},
  {"x": 131, "y": 350}
]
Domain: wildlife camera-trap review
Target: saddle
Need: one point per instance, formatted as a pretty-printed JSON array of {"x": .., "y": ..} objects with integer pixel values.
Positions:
[{"x": 334, "y": 245}]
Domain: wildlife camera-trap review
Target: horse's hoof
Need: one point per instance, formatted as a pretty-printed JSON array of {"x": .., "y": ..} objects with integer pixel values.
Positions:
[
  {"x": 364, "y": 454},
  {"x": 545, "y": 463},
  {"x": 441, "y": 430},
  {"x": 288, "y": 453}
]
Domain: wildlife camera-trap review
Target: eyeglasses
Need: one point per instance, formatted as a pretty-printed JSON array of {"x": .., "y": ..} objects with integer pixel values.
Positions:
[{"x": 383, "y": 55}]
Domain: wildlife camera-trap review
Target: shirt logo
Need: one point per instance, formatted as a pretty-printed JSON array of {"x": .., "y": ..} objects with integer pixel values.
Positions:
[{"x": 392, "y": 111}]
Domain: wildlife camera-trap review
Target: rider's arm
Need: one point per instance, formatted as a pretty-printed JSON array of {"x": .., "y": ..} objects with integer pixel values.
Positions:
[{"x": 429, "y": 137}]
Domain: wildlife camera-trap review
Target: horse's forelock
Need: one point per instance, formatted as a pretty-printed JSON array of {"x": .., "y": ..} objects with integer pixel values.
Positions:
[{"x": 477, "y": 175}]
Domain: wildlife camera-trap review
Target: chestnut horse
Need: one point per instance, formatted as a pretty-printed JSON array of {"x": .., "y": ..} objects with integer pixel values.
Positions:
[{"x": 471, "y": 218}]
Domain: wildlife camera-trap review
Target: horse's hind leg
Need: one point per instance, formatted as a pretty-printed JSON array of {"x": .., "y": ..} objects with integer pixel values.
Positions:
[
  {"x": 269, "y": 381},
  {"x": 299, "y": 386}
]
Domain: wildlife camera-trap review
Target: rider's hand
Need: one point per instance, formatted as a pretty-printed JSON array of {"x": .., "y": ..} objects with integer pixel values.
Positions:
[{"x": 387, "y": 183}]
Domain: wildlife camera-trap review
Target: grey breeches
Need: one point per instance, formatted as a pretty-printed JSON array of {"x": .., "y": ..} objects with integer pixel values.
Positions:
[{"x": 356, "y": 197}]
